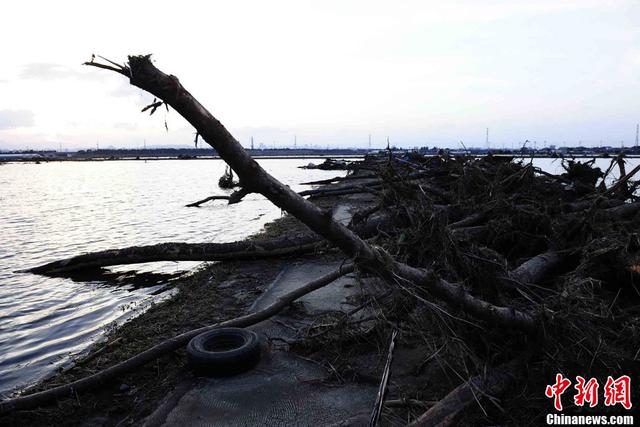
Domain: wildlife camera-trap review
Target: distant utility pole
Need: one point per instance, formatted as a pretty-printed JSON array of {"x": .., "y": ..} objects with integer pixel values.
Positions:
[
  {"x": 370, "y": 142},
  {"x": 295, "y": 141},
  {"x": 487, "y": 139},
  {"x": 637, "y": 132},
  {"x": 252, "y": 143}
]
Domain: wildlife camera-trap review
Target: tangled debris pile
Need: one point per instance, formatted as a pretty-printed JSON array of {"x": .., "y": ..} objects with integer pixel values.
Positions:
[
  {"x": 329, "y": 164},
  {"x": 563, "y": 249}
]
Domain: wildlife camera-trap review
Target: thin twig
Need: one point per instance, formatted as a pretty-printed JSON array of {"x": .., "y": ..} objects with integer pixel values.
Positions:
[{"x": 383, "y": 382}]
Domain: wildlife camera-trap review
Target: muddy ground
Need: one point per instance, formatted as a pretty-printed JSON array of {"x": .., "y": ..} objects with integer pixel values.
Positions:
[{"x": 214, "y": 293}]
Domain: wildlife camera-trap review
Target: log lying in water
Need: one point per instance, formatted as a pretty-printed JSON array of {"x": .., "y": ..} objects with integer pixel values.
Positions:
[
  {"x": 246, "y": 249},
  {"x": 181, "y": 252}
]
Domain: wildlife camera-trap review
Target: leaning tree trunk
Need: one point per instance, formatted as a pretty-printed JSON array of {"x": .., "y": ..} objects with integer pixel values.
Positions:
[{"x": 143, "y": 74}]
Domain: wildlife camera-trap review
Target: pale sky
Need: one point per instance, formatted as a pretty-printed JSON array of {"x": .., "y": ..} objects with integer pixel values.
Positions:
[{"x": 330, "y": 72}]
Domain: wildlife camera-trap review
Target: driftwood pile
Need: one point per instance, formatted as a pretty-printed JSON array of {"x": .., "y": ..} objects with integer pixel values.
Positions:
[{"x": 563, "y": 250}]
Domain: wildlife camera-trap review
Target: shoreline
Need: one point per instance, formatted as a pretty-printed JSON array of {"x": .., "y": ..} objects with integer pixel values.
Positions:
[
  {"x": 212, "y": 293},
  {"x": 519, "y": 156},
  {"x": 134, "y": 159}
]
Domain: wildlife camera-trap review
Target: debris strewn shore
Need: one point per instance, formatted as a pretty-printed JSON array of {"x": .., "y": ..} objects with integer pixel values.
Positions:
[{"x": 559, "y": 253}]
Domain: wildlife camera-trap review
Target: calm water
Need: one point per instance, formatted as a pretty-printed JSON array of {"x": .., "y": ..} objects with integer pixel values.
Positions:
[{"x": 56, "y": 210}]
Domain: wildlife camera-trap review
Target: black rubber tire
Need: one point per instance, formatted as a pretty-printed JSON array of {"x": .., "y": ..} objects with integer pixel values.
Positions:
[{"x": 223, "y": 352}]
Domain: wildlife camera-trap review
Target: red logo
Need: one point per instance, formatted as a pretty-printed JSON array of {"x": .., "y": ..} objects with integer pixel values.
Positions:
[
  {"x": 618, "y": 391},
  {"x": 587, "y": 392},
  {"x": 615, "y": 391},
  {"x": 555, "y": 391}
]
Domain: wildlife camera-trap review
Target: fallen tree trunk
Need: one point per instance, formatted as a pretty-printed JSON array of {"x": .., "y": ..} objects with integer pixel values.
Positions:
[
  {"x": 356, "y": 189},
  {"x": 339, "y": 179},
  {"x": 445, "y": 412},
  {"x": 371, "y": 180},
  {"x": 181, "y": 252},
  {"x": 456, "y": 295},
  {"x": 244, "y": 249},
  {"x": 143, "y": 74},
  {"x": 172, "y": 344},
  {"x": 588, "y": 204},
  {"x": 471, "y": 220},
  {"x": 533, "y": 270},
  {"x": 622, "y": 182},
  {"x": 622, "y": 211},
  {"x": 341, "y": 189}
]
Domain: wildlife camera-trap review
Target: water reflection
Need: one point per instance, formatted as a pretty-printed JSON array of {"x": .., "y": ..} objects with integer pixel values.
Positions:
[{"x": 52, "y": 211}]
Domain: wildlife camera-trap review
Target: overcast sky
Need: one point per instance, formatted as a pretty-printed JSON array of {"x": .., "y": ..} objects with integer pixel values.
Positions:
[{"x": 330, "y": 72}]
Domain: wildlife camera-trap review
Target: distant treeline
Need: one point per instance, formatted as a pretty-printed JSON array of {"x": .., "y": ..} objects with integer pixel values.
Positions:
[
  {"x": 180, "y": 153},
  {"x": 190, "y": 153},
  {"x": 207, "y": 152}
]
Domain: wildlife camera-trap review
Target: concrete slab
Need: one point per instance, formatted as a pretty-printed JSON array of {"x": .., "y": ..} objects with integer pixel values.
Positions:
[{"x": 283, "y": 390}]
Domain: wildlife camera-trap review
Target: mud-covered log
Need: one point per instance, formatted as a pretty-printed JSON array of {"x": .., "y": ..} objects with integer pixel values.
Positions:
[
  {"x": 444, "y": 413},
  {"x": 622, "y": 211},
  {"x": 455, "y": 294},
  {"x": 588, "y": 204},
  {"x": 468, "y": 221},
  {"x": 356, "y": 189},
  {"x": 340, "y": 179},
  {"x": 181, "y": 252},
  {"x": 533, "y": 270},
  {"x": 476, "y": 232},
  {"x": 245, "y": 249},
  {"x": 341, "y": 189}
]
